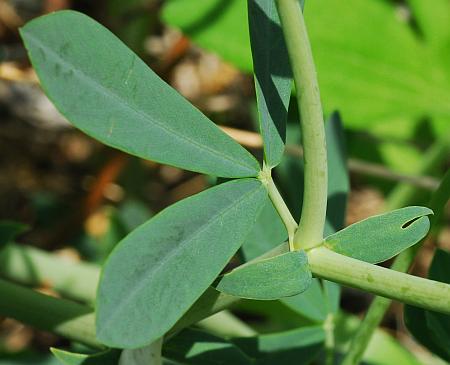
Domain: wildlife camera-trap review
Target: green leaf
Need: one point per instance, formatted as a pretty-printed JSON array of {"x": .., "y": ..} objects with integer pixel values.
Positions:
[
  {"x": 338, "y": 179},
  {"x": 157, "y": 272},
  {"x": 196, "y": 347},
  {"x": 217, "y": 25},
  {"x": 108, "y": 357},
  {"x": 273, "y": 76},
  {"x": 9, "y": 230},
  {"x": 268, "y": 279},
  {"x": 432, "y": 329},
  {"x": 267, "y": 232},
  {"x": 383, "y": 349},
  {"x": 263, "y": 345},
  {"x": 433, "y": 20},
  {"x": 148, "y": 355},
  {"x": 381, "y": 237},
  {"x": 311, "y": 304},
  {"x": 105, "y": 90},
  {"x": 440, "y": 197},
  {"x": 373, "y": 67},
  {"x": 293, "y": 347}
]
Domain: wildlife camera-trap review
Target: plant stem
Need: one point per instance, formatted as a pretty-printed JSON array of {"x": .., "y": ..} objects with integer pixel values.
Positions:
[
  {"x": 33, "y": 267},
  {"x": 401, "y": 196},
  {"x": 328, "y": 326},
  {"x": 62, "y": 317},
  {"x": 311, "y": 226},
  {"x": 227, "y": 325},
  {"x": 283, "y": 211},
  {"x": 376, "y": 312},
  {"x": 414, "y": 290},
  {"x": 77, "y": 322}
]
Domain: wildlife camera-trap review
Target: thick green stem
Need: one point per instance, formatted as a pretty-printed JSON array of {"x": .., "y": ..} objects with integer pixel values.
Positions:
[
  {"x": 227, "y": 325},
  {"x": 63, "y": 317},
  {"x": 77, "y": 322},
  {"x": 376, "y": 312},
  {"x": 310, "y": 231},
  {"x": 33, "y": 267},
  {"x": 401, "y": 196},
  {"x": 414, "y": 290}
]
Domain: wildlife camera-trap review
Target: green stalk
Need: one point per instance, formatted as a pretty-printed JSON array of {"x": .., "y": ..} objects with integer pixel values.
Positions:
[
  {"x": 312, "y": 221},
  {"x": 401, "y": 196},
  {"x": 60, "y": 316},
  {"x": 280, "y": 205},
  {"x": 33, "y": 267},
  {"x": 77, "y": 322},
  {"x": 414, "y": 290},
  {"x": 376, "y": 312}
]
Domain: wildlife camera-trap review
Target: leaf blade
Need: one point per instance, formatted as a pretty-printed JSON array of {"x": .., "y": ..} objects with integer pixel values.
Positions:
[
  {"x": 120, "y": 101},
  {"x": 289, "y": 275},
  {"x": 159, "y": 288},
  {"x": 379, "y": 238},
  {"x": 107, "y": 357},
  {"x": 273, "y": 76}
]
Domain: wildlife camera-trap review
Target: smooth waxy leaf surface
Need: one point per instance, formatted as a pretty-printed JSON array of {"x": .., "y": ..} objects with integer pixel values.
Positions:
[
  {"x": 269, "y": 279},
  {"x": 379, "y": 238},
  {"x": 157, "y": 272},
  {"x": 273, "y": 76},
  {"x": 108, "y": 357},
  {"x": 432, "y": 329},
  {"x": 10, "y": 230},
  {"x": 200, "y": 348},
  {"x": 105, "y": 90}
]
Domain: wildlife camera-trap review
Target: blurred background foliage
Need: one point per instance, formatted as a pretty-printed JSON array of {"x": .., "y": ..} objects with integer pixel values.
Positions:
[{"x": 383, "y": 64}]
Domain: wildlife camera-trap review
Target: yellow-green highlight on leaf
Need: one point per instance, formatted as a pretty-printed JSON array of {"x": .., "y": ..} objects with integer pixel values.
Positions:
[
  {"x": 381, "y": 237},
  {"x": 108, "y": 357},
  {"x": 105, "y": 90},
  {"x": 273, "y": 278},
  {"x": 149, "y": 281}
]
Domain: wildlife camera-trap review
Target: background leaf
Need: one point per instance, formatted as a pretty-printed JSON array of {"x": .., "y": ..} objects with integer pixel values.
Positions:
[
  {"x": 121, "y": 102},
  {"x": 396, "y": 78},
  {"x": 381, "y": 237},
  {"x": 108, "y": 357},
  {"x": 432, "y": 329},
  {"x": 268, "y": 279},
  {"x": 196, "y": 347},
  {"x": 9, "y": 230},
  {"x": 157, "y": 272},
  {"x": 273, "y": 76},
  {"x": 267, "y": 231},
  {"x": 338, "y": 177},
  {"x": 262, "y": 345}
]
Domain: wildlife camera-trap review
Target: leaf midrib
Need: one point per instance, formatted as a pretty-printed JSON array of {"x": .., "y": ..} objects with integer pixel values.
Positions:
[
  {"x": 142, "y": 115},
  {"x": 172, "y": 253}
]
